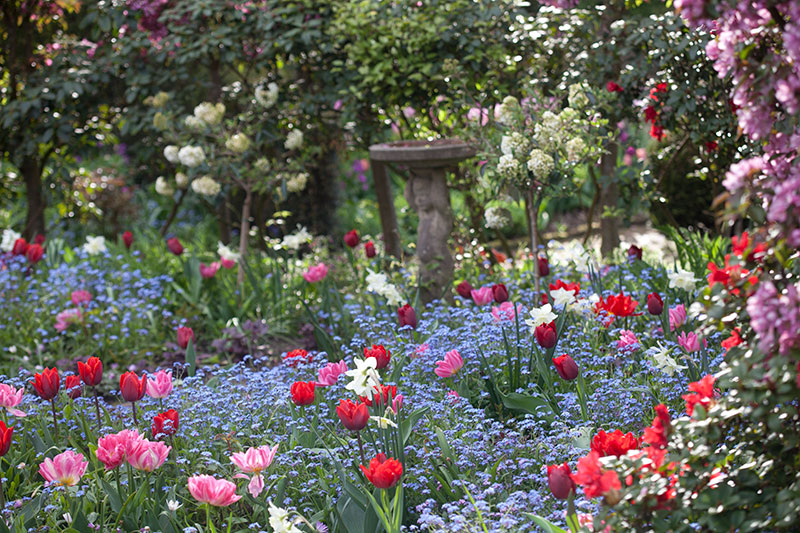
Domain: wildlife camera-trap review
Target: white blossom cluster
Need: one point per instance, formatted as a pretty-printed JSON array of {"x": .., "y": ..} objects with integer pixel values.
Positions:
[
  {"x": 296, "y": 182},
  {"x": 191, "y": 156},
  {"x": 548, "y": 131},
  {"x": 294, "y": 140},
  {"x": 267, "y": 96},
  {"x": 508, "y": 110},
  {"x": 238, "y": 143},
  {"x": 496, "y": 217},
  {"x": 296, "y": 239},
  {"x": 209, "y": 113},
  {"x": 540, "y": 164},
  {"x": 181, "y": 180},
  {"x": 171, "y": 154},
  {"x": 206, "y": 186},
  {"x": 9, "y": 238},
  {"x": 379, "y": 284},
  {"x": 163, "y": 187},
  {"x": 577, "y": 96},
  {"x": 576, "y": 148},
  {"x": 509, "y": 166},
  {"x": 515, "y": 144}
]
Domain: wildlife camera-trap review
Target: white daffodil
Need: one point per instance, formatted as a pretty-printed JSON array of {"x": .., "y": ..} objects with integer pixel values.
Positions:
[
  {"x": 9, "y": 238},
  {"x": 665, "y": 363},
  {"x": 279, "y": 520},
  {"x": 365, "y": 377},
  {"x": 681, "y": 279},
  {"x": 562, "y": 297},
  {"x": 541, "y": 315},
  {"x": 95, "y": 245},
  {"x": 383, "y": 422},
  {"x": 173, "y": 505}
]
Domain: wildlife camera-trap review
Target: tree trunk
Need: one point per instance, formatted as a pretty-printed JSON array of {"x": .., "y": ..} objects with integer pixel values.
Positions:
[
  {"x": 244, "y": 235},
  {"x": 609, "y": 194},
  {"x": 34, "y": 220}
]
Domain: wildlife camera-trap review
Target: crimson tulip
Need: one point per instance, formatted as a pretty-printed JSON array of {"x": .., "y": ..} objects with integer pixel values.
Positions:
[
  {"x": 91, "y": 371},
  {"x": 559, "y": 478},
  {"x": 165, "y": 423},
  {"x": 407, "y": 316},
  {"x": 302, "y": 392},
  {"x": 381, "y": 355},
  {"x": 72, "y": 384},
  {"x": 613, "y": 87},
  {"x": 20, "y": 247},
  {"x": 175, "y": 246},
  {"x": 634, "y": 253},
  {"x": 35, "y": 253},
  {"x": 47, "y": 383},
  {"x": 566, "y": 367},
  {"x": 351, "y": 238},
  {"x": 546, "y": 335},
  {"x": 655, "y": 305},
  {"x": 132, "y": 387},
  {"x": 39, "y": 239},
  {"x": 184, "y": 336},
  {"x": 5, "y": 438},
  {"x": 369, "y": 249},
  {"x": 499, "y": 292},
  {"x": 354, "y": 416},
  {"x": 544, "y": 266},
  {"x": 382, "y": 472},
  {"x": 127, "y": 239},
  {"x": 464, "y": 289}
]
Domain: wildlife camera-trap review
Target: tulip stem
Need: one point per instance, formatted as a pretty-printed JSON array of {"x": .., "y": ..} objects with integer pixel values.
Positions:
[
  {"x": 361, "y": 447},
  {"x": 97, "y": 406},
  {"x": 135, "y": 420},
  {"x": 2, "y": 495},
  {"x": 55, "y": 420}
]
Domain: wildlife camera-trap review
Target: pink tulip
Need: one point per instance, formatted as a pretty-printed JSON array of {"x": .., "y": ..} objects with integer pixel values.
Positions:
[
  {"x": 114, "y": 449},
  {"x": 329, "y": 374},
  {"x": 677, "y": 317},
  {"x": 253, "y": 461},
  {"x": 689, "y": 342},
  {"x": 505, "y": 311},
  {"x": 451, "y": 364},
  {"x": 159, "y": 385},
  {"x": 316, "y": 273},
  {"x": 147, "y": 455},
  {"x": 626, "y": 338},
  {"x": 10, "y": 399},
  {"x": 397, "y": 403},
  {"x": 227, "y": 263},
  {"x": 64, "y": 469},
  {"x": 482, "y": 296},
  {"x": 79, "y": 297},
  {"x": 67, "y": 317},
  {"x": 208, "y": 271},
  {"x": 213, "y": 491}
]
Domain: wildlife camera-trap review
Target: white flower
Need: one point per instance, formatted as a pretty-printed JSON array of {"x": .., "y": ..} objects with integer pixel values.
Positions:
[
  {"x": 279, "y": 520},
  {"x": 294, "y": 140},
  {"x": 9, "y": 238},
  {"x": 375, "y": 281},
  {"x": 206, "y": 186},
  {"x": 681, "y": 279},
  {"x": 575, "y": 149},
  {"x": 226, "y": 253},
  {"x": 365, "y": 377},
  {"x": 67, "y": 518},
  {"x": 540, "y": 164},
  {"x": 95, "y": 245},
  {"x": 496, "y": 217},
  {"x": 383, "y": 422},
  {"x": 163, "y": 187},
  {"x": 238, "y": 143},
  {"x": 577, "y": 96},
  {"x": 181, "y": 180},
  {"x": 663, "y": 361},
  {"x": 562, "y": 297},
  {"x": 266, "y": 97},
  {"x": 392, "y": 295},
  {"x": 515, "y": 144},
  {"x": 295, "y": 240},
  {"x": 210, "y": 113},
  {"x": 194, "y": 123},
  {"x": 173, "y": 505},
  {"x": 507, "y": 110},
  {"x": 171, "y": 153},
  {"x": 541, "y": 315},
  {"x": 509, "y": 166},
  {"x": 548, "y": 131},
  {"x": 191, "y": 156},
  {"x": 378, "y": 284},
  {"x": 262, "y": 164},
  {"x": 297, "y": 182}
]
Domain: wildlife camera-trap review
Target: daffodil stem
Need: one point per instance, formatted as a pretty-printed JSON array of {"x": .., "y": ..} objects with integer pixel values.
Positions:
[
  {"x": 360, "y": 447},
  {"x": 97, "y": 406}
]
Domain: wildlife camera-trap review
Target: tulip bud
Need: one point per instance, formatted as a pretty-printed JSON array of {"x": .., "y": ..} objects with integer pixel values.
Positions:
[
  {"x": 127, "y": 239},
  {"x": 354, "y": 416},
  {"x": 351, "y": 238},
  {"x": 655, "y": 305},
  {"x": 91, "y": 371},
  {"x": 20, "y": 247},
  {"x": 175, "y": 246},
  {"x": 302, "y": 392},
  {"x": 560, "y": 481},
  {"x": 34, "y": 253},
  {"x": 72, "y": 384},
  {"x": 382, "y": 355},
  {"x": 500, "y": 293},
  {"x": 131, "y": 387},
  {"x": 546, "y": 335},
  {"x": 39, "y": 239},
  {"x": 464, "y": 289},
  {"x": 184, "y": 336},
  {"x": 566, "y": 367},
  {"x": 407, "y": 316},
  {"x": 369, "y": 250},
  {"x": 544, "y": 266},
  {"x": 634, "y": 253}
]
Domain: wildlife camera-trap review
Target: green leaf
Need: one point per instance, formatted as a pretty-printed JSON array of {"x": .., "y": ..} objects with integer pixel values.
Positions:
[
  {"x": 546, "y": 525},
  {"x": 526, "y": 403}
]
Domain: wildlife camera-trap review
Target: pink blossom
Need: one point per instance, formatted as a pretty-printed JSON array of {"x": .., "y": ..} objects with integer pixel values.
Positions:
[
  {"x": 505, "y": 311},
  {"x": 10, "y": 399},
  {"x": 227, "y": 263},
  {"x": 677, "y": 317},
  {"x": 397, "y": 403},
  {"x": 420, "y": 350},
  {"x": 159, "y": 385},
  {"x": 627, "y": 339},
  {"x": 113, "y": 449},
  {"x": 213, "y": 491},
  {"x": 689, "y": 342},
  {"x": 316, "y": 273},
  {"x": 79, "y": 297},
  {"x": 208, "y": 271},
  {"x": 476, "y": 113},
  {"x": 147, "y": 455},
  {"x": 482, "y": 296},
  {"x": 64, "y": 469},
  {"x": 329, "y": 373},
  {"x": 67, "y": 317},
  {"x": 253, "y": 461},
  {"x": 450, "y": 365}
]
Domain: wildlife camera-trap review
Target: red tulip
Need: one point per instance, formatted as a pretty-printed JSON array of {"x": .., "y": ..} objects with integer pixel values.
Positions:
[
  {"x": 35, "y": 253},
  {"x": 351, "y": 238},
  {"x": 566, "y": 367},
  {"x": 464, "y": 289},
  {"x": 20, "y": 247},
  {"x": 72, "y": 384},
  {"x": 546, "y": 335},
  {"x": 615, "y": 443},
  {"x": 184, "y": 336},
  {"x": 91, "y": 371},
  {"x": 175, "y": 246},
  {"x": 127, "y": 239},
  {"x": 655, "y": 305},
  {"x": 39, "y": 239},
  {"x": 381, "y": 355},
  {"x": 5, "y": 438},
  {"x": 407, "y": 316},
  {"x": 613, "y": 87},
  {"x": 574, "y": 287},
  {"x": 617, "y": 305},
  {"x": 354, "y": 416},
  {"x": 165, "y": 423},
  {"x": 634, "y": 252},
  {"x": 382, "y": 472},
  {"x": 302, "y": 392},
  {"x": 132, "y": 387},
  {"x": 499, "y": 292},
  {"x": 382, "y": 395},
  {"x": 369, "y": 250},
  {"x": 544, "y": 266},
  {"x": 47, "y": 383},
  {"x": 560, "y": 481}
]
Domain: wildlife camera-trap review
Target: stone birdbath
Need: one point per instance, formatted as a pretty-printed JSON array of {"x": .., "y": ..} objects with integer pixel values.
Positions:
[{"x": 426, "y": 191}]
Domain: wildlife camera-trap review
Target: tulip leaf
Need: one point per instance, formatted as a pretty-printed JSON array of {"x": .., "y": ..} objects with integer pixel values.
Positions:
[
  {"x": 191, "y": 357},
  {"x": 408, "y": 423},
  {"x": 113, "y": 497},
  {"x": 534, "y": 405},
  {"x": 546, "y": 525}
]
